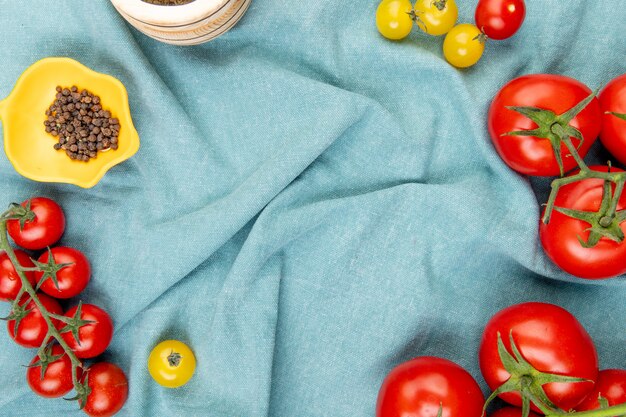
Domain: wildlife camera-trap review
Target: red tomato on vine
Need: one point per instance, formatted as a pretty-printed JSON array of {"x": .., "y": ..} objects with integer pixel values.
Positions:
[
  {"x": 27, "y": 326},
  {"x": 93, "y": 328},
  {"x": 71, "y": 279},
  {"x": 426, "y": 385},
  {"x": 108, "y": 390},
  {"x": 56, "y": 379},
  {"x": 611, "y": 386},
  {"x": 561, "y": 237},
  {"x": 42, "y": 226},
  {"x": 613, "y": 100},
  {"x": 534, "y": 154},
  {"x": 549, "y": 339}
]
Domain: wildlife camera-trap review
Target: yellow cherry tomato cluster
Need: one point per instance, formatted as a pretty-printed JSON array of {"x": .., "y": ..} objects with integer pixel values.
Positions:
[{"x": 464, "y": 44}]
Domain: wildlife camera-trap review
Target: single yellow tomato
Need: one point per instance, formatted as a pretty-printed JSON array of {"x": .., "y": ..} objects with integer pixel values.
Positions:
[
  {"x": 171, "y": 363},
  {"x": 393, "y": 19},
  {"x": 436, "y": 17},
  {"x": 463, "y": 45}
]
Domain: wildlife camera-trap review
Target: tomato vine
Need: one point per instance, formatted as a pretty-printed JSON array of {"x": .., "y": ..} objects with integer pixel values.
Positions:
[{"x": 17, "y": 212}]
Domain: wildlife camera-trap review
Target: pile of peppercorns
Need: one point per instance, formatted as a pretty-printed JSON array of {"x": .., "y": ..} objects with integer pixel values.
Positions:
[{"x": 80, "y": 123}]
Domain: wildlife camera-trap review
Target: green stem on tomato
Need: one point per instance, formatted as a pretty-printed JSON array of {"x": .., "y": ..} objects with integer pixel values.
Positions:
[
  {"x": 53, "y": 332},
  {"x": 619, "y": 188}
]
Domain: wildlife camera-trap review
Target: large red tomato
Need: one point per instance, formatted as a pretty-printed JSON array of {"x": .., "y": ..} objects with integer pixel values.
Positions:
[
  {"x": 45, "y": 228},
  {"x": 611, "y": 385},
  {"x": 500, "y": 19},
  {"x": 532, "y": 155},
  {"x": 551, "y": 340},
  {"x": 418, "y": 388},
  {"x": 94, "y": 337},
  {"x": 56, "y": 381},
  {"x": 613, "y": 135},
  {"x": 108, "y": 390},
  {"x": 560, "y": 236},
  {"x": 510, "y": 412},
  {"x": 32, "y": 328},
  {"x": 10, "y": 283},
  {"x": 71, "y": 279}
]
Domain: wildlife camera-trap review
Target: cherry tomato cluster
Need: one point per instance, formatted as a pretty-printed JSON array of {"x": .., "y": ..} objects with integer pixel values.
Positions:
[
  {"x": 464, "y": 43},
  {"x": 534, "y": 356},
  {"x": 544, "y": 125},
  {"x": 37, "y": 319}
]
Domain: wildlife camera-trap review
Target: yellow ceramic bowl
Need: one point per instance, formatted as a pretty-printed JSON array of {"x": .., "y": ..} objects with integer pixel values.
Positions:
[{"x": 30, "y": 148}]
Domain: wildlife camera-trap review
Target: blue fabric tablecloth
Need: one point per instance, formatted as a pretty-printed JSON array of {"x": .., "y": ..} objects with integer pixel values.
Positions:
[{"x": 311, "y": 204}]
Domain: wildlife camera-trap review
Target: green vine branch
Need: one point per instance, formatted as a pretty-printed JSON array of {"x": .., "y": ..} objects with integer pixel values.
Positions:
[{"x": 16, "y": 212}]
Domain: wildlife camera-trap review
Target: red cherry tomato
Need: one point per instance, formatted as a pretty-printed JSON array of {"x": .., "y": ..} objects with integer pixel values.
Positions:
[
  {"x": 500, "y": 19},
  {"x": 511, "y": 412},
  {"x": 418, "y": 388},
  {"x": 44, "y": 230},
  {"x": 71, "y": 279},
  {"x": 57, "y": 379},
  {"x": 560, "y": 236},
  {"x": 611, "y": 385},
  {"x": 94, "y": 337},
  {"x": 613, "y": 135},
  {"x": 530, "y": 155},
  {"x": 551, "y": 340},
  {"x": 109, "y": 390},
  {"x": 32, "y": 329},
  {"x": 10, "y": 283}
]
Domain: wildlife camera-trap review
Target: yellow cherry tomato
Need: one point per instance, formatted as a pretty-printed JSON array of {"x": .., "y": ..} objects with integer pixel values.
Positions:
[
  {"x": 171, "y": 363},
  {"x": 393, "y": 19},
  {"x": 463, "y": 46},
  {"x": 436, "y": 17}
]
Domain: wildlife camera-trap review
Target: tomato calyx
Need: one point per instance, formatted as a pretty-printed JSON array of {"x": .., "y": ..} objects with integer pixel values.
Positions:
[
  {"x": 553, "y": 127},
  {"x": 605, "y": 222},
  {"x": 18, "y": 312},
  {"x": 49, "y": 269},
  {"x": 82, "y": 391},
  {"x": 45, "y": 358},
  {"x": 19, "y": 212},
  {"x": 526, "y": 380},
  {"x": 481, "y": 37},
  {"x": 414, "y": 15},
  {"x": 74, "y": 323},
  {"x": 174, "y": 358},
  {"x": 440, "y": 4}
]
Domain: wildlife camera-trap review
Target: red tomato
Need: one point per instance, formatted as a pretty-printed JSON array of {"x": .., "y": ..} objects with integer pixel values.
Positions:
[
  {"x": 94, "y": 337},
  {"x": 551, "y": 340},
  {"x": 560, "y": 236},
  {"x": 531, "y": 155},
  {"x": 500, "y": 19},
  {"x": 510, "y": 412},
  {"x": 611, "y": 385},
  {"x": 10, "y": 283},
  {"x": 57, "y": 379},
  {"x": 109, "y": 390},
  {"x": 418, "y": 388},
  {"x": 44, "y": 230},
  {"x": 32, "y": 329},
  {"x": 613, "y": 135},
  {"x": 71, "y": 279}
]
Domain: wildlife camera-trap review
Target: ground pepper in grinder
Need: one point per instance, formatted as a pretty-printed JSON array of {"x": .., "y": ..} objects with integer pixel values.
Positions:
[{"x": 80, "y": 123}]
